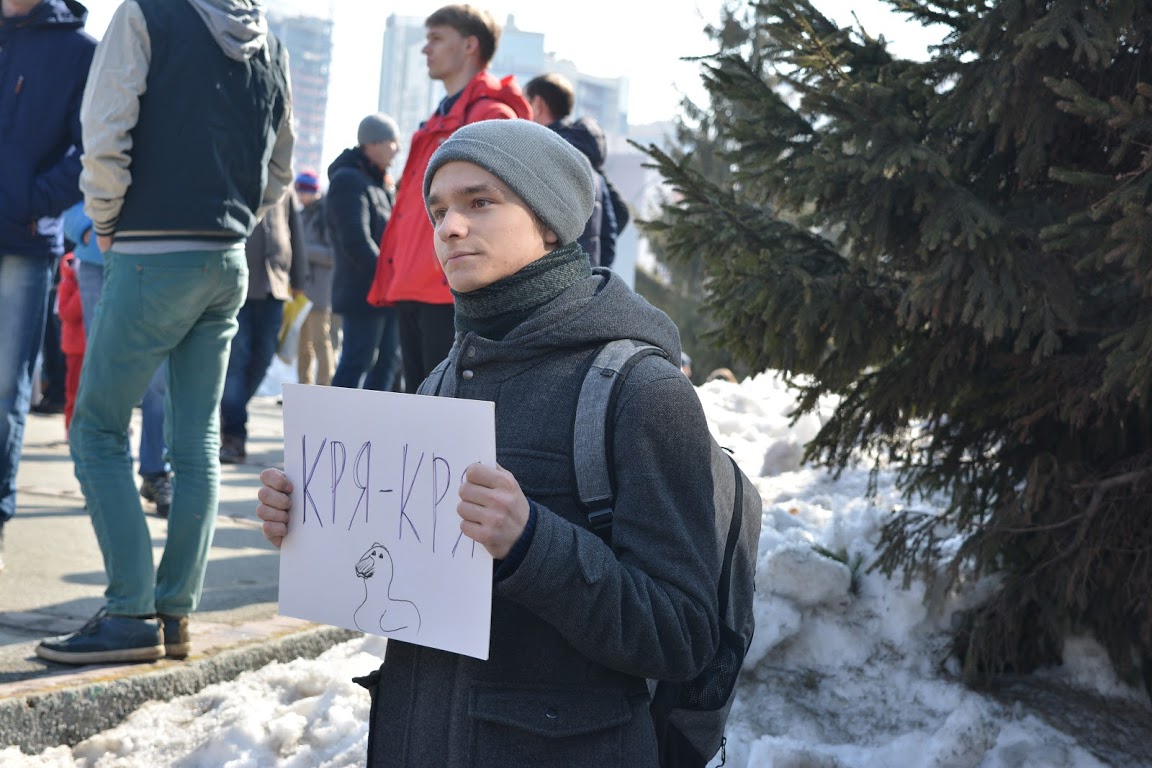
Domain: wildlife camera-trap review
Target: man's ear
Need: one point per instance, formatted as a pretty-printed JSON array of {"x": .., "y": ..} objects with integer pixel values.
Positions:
[
  {"x": 551, "y": 238},
  {"x": 472, "y": 45}
]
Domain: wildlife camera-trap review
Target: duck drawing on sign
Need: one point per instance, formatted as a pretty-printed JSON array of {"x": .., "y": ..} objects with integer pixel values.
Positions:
[{"x": 380, "y": 611}]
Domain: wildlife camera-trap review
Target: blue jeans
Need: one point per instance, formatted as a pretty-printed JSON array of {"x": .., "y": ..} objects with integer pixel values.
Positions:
[
  {"x": 371, "y": 351},
  {"x": 252, "y": 352},
  {"x": 24, "y": 284},
  {"x": 180, "y": 307},
  {"x": 53, "y": 369},
  {"x": 152, "y": 447}
]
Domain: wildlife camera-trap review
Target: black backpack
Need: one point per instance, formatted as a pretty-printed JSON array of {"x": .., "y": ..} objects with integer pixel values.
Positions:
[
  {"x": 689, "y": 716},
  {"x": 619, "y": 206}
]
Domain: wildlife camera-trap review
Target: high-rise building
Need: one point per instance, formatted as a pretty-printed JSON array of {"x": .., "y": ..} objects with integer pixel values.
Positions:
[
  {"x": 522, "y": 53},
  {"x": 406, "y": 92},
  {"x": 309, "y": 43}
]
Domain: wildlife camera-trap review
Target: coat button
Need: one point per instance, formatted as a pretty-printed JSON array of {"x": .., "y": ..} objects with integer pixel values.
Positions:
[
  {"x": 467, "y": 375},
  {"x": 551, "y": 714},
  {"x": 471, "y": 351}
]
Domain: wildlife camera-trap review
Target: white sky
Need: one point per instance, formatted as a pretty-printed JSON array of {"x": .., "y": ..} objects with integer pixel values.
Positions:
[
  {"x": 642, "y": 40},
  {"x": 832, "y": 679}
]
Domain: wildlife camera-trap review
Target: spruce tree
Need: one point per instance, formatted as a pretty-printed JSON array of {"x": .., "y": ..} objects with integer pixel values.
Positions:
[
  {"x": 678, "y": 285},
  {"x": 960, "y": 250}
]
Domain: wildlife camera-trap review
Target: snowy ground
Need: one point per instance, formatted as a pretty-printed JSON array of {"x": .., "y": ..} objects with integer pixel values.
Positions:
[{"x": 836, "y": 678}]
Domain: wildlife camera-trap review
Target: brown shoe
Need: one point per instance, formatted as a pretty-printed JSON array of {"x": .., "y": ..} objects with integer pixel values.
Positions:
[{"x": 177, "y": 644}]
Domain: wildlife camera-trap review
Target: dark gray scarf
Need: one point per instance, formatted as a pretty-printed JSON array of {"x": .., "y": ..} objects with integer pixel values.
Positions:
[{"x": 494, "y": 310}]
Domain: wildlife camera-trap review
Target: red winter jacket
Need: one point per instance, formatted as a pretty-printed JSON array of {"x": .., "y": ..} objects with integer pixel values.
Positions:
[
  {"x": 69, "y": 310},
  {"x": 407, "y": 269}
]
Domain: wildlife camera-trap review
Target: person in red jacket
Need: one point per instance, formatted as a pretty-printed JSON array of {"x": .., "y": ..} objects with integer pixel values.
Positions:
[
  {"x": 461, "y": 40},
  {"x": 71, "y": 314}
]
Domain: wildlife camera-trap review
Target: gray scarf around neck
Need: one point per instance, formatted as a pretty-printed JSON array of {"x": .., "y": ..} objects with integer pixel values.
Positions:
[{"x": 494, "y": 310}]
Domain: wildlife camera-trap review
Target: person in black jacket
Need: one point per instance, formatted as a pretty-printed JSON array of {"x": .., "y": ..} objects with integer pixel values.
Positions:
[
  {"x": 578, "y": 625},
  {"x": 552, "y": 98},
  {"x": 359, "y": 202}
]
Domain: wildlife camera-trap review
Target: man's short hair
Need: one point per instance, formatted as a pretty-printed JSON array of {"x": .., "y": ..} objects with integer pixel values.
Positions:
[
  {"x": 557, "y": 92},
  {"x": 469, "y": 22}
]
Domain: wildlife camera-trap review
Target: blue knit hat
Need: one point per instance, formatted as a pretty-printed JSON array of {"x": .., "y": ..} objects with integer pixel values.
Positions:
[{"x": 307, "y": 181}]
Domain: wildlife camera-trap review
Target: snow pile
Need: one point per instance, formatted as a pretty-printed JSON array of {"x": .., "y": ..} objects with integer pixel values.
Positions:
[
  {"x": 847, "y": 669},
  {"x": 302, "y": 714}
]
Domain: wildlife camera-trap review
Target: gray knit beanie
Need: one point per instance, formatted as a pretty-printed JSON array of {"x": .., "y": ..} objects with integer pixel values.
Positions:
[
  {"x": 377, "y": 128},
  {"x": 552, "y": 177}
]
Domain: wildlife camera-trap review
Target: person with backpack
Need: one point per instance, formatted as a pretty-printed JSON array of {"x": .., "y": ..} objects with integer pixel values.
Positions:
[
  {"x": 552, "y": 98},
  {"x": 591, "y": 600}
]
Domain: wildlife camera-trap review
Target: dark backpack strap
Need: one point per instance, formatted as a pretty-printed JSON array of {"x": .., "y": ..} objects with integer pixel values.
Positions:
[
  {"x": 434, "y": 384},
  {"x": 594, "y": 427},
  {"x": 619, "y": 207},
  {"x": 733, "y": 538}
]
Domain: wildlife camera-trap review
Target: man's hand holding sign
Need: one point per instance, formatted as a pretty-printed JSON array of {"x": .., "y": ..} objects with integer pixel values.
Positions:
[
  {"x": 493, "y": 510},
  {"x": 379, "y": 512}
]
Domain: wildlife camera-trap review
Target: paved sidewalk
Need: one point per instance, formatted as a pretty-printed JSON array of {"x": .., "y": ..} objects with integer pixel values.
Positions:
[{"x": 54, "y": 582}]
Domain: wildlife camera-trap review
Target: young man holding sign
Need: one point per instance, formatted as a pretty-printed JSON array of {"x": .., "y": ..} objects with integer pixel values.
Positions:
[{"x": 578, "y": 626}]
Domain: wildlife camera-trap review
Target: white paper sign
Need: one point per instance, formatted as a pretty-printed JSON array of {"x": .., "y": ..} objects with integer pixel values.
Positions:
[{"x": 374, "y": 539}]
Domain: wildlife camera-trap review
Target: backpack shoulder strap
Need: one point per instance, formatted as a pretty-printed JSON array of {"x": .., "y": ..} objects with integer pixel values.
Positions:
[
  {"x": 592, "y": 432},
  {"x": 434, "y": 383},
  {"x": 619, "y": 206},
  {"x": 737, "y": 522}
]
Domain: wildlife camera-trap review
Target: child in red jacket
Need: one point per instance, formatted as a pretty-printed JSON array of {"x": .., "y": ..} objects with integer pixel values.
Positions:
[{"x": 71, "y": 332}]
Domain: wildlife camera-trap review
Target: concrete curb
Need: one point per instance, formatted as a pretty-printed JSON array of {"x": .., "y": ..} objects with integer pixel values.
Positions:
[{"x": 68, "y": 715}]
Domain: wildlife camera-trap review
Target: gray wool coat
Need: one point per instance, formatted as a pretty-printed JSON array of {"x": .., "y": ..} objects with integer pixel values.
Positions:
[
  {"x": 578, "y": 627},
  {"x": 318, "y": 249}
]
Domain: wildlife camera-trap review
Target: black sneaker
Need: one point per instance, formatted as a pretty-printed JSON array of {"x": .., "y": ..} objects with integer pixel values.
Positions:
[
  {"x": 158, "y": 490},
  {"x": 47, "y": 407},
  {"x": 107, "y": 639},
  {"x": 232, "y": 450},
  {"x": 177, "y": 643}
]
